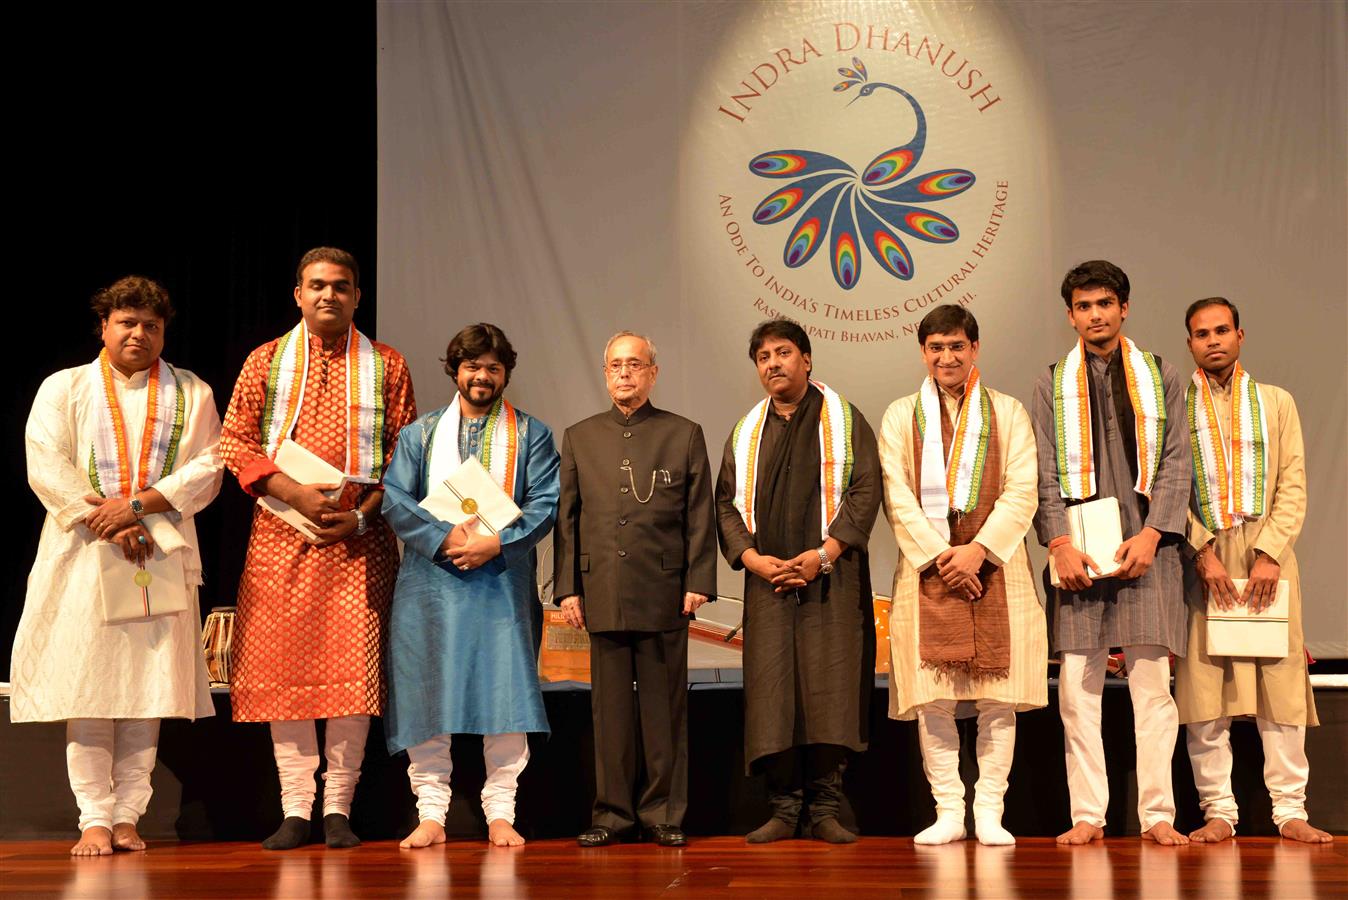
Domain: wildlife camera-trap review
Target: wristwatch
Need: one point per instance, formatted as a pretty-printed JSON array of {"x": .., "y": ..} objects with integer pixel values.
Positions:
[
  {"x": 825, "y": 564},
  {"x": 137, "y": 508},
  {"x": 360, "y": 521}
]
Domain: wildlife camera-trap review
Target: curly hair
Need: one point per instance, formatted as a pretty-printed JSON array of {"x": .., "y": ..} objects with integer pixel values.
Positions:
[
  {"x": 477, "y": 340},
  {"x": 131, "y": 292}
]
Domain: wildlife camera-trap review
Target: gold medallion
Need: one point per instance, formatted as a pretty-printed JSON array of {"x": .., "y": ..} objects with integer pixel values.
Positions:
[
  {"x": 143, "y": 578},
  {"x": 469, "y": 506}
]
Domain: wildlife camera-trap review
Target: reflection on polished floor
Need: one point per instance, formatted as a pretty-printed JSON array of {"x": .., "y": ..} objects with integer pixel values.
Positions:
[{"x": 709, "y": 867}]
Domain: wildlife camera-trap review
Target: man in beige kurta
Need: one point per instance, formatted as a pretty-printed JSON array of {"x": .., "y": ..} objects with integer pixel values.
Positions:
[
  {"x": 1210, "y": 690},
  {"x": 922, "y": 688}
]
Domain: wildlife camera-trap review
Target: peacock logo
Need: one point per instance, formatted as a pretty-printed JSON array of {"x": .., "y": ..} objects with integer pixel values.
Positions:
[{"x": 873, "y": 208}]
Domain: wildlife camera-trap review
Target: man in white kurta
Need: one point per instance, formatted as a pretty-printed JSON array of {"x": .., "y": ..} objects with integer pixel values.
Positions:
[
  {"x": 938, "y": 686},
  {"x": 1243, "y": 527},
  {"x": 113, "y": 682}
]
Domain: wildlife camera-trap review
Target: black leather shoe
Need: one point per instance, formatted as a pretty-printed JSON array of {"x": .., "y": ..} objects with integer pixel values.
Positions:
[
  {"x": 598, "y": 836},
  {"x": 669, "y": 836}
]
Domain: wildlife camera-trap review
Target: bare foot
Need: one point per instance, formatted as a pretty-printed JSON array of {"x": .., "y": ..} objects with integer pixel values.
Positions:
[
  {"x": 1164, "y": 834},
  {"x": 1214, "y": 831},
  {"x": 125, "y": 837},
  {"x": 426, "y": 834},
  {"x": 94, "y": 841},
  {"x": 1081, "y": 833},
  {"x": 1301, "y": 830},
  {"x": 502, "y": 834}
]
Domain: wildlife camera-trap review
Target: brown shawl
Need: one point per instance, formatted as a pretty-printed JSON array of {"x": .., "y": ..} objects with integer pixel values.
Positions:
[{"x": 955, "y": 634}]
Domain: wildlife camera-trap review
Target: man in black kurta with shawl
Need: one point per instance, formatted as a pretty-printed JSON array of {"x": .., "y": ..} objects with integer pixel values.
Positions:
[{"x": 798, "y": 493}]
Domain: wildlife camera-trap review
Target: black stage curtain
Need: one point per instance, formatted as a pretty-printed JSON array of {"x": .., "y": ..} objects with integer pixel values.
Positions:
[{"x": 205, "y": 151}]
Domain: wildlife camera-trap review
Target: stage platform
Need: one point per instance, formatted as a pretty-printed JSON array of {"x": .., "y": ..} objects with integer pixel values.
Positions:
[
  {"x": 216, "y": 780},
  {"x": 707, "y": 868}
]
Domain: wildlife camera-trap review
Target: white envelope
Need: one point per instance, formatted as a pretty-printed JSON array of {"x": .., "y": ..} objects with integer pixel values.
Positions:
[
  {"x": 1097, "y": 530},
  {"x": 471, "y": 491},
  {"x": 132, "y": 592},
  {"x": 305, "y": 468},
  {"x": 1238, "y": 632}
]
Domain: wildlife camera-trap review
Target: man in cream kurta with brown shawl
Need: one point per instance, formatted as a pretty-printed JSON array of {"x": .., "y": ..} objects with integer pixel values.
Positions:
[
  {"x": 122, "y": 452},
  {"x": 960, "y": 492},
  {"x": 1249, "y": 501}
]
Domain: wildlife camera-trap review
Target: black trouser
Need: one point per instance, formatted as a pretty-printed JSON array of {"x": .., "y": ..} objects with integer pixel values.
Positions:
[
  {"x": 641, "y": 737},
  {"x": 808, "y": 775}
]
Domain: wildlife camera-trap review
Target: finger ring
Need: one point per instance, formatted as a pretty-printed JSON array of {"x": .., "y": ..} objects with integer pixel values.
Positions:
[
  {"x": 140, "y": 539},
  {"x": 464, "y": 567}
]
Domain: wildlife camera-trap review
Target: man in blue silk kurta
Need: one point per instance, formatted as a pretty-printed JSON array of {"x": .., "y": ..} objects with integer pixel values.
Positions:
[{"x": 466, "y": 621}]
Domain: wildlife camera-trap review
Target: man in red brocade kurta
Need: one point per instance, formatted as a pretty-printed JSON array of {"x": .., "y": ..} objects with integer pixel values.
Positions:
[{"x": 309, "y": 640}]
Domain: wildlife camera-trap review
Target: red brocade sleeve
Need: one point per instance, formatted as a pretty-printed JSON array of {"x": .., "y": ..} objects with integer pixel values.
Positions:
[
  {"x": 240, "y": 434},
  {"x": 400, "y": 405}
]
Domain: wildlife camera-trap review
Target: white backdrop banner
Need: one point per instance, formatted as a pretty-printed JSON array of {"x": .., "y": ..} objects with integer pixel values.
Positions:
[{"x": 686, "y": 170}]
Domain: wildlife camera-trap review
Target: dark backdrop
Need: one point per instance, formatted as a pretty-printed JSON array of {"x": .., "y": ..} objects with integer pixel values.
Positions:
[{"x": 207, "y": 153}]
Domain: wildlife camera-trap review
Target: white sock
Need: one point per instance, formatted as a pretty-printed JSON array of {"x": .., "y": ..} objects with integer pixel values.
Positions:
[
  {"x": 944, "y": 830},
  {"x": 991, "y": 833}
]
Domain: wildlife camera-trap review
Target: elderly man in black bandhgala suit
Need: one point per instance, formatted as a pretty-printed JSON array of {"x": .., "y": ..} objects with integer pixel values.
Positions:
[
  {"x": 798, "y": 492},
  {"x": 635, "y": 556}
]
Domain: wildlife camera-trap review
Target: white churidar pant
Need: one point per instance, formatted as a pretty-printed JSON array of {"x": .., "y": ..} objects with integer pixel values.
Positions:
[
  {"x": 1081, "y": 684},
  {"x": 109, "y": 762},
  {"x": 1286, "y": 769},
  {"x": 295, "y": 743},
  {"x": 940, "y": 744},
  {"x": 505, "y": 756}
]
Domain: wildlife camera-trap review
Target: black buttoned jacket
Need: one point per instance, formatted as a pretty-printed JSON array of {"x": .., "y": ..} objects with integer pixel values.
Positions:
[{"x": 636, "y": 524}]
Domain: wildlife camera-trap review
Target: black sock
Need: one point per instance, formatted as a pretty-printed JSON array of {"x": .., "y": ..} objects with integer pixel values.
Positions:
[
  {"x": 294, "y": 832},
  {"x": 337, "y": 829}
]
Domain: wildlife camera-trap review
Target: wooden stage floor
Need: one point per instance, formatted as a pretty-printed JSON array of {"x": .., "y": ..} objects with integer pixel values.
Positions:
[{"x": 709, "y": 867}]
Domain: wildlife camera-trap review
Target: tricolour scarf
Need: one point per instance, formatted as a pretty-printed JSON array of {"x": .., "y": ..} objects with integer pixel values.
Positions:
[
  {"x": 500, "y": 446},
  {"x": 110, "y": 467},
  {"x": 835, "y": 455},
  {"x": 1072, "y": 418},
  {"x": 365, "y": 400},
  {"x": 951, "y": 479},
  {"x": 955, "y": 635},
  {"x": 1230, "y": 464}
]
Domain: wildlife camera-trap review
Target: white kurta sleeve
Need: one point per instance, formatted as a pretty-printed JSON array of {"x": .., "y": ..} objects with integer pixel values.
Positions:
[
  {"x": 918, "y": 541},
  {"x": 49, "y": 442},
  {"x": 1013, "y": 512}
]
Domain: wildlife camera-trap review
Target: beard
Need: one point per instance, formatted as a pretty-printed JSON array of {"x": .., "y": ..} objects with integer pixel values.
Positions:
[{"x": 475, "y": 390}]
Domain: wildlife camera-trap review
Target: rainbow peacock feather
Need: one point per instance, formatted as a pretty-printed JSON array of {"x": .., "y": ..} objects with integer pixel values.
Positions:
[{"x": 871, "y": 209}]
